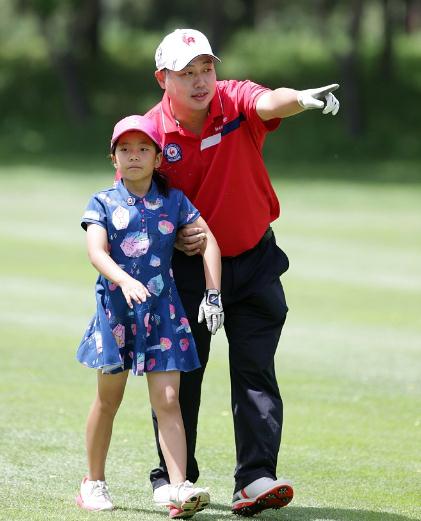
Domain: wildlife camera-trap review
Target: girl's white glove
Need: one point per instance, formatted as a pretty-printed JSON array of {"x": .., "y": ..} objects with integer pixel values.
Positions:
[
  {"x": 321, "y": 98},
  {"x": 210, "y": 309}
]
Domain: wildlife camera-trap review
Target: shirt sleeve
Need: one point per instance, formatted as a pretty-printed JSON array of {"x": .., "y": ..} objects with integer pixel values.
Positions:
[
  {"x": 247, "y": 93},
  {"x": 187, "y": 212},
  {"x": 95, "y": 213}
]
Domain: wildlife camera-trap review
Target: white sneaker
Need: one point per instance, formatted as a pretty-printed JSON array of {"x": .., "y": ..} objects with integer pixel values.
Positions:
[
  {"x": 261, "y": 494},
  {"x": 184, "y": 497},
  {"x": 94, "y": 495}
]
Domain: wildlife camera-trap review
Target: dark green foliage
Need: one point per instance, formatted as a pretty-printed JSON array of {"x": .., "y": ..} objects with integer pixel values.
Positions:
[{"x": 61, "y": 93}]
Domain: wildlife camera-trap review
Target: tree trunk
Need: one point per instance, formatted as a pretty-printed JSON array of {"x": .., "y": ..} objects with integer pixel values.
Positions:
[
  {"x": 386, "y": 58},
  {"x": 249, "y": 18},
  {"x": 68, "y": 72},
  {"x": 86, "y": 26},
  {"x": 214, "y": 15},
  {"x": 412, "y": 15},
  {"x": 351, "y": 81}
]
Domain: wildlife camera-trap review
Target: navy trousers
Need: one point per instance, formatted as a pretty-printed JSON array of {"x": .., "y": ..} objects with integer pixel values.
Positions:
[{"x": 255, "y": 312}]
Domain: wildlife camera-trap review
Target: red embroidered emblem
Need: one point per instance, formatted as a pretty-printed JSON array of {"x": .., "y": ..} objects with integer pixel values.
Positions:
[{"x": 188, "y": 39}]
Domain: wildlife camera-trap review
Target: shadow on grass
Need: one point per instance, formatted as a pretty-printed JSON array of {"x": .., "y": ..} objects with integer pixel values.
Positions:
[
  {"x": 214, "y": 512},
  {"x": 292, "y": 513}
]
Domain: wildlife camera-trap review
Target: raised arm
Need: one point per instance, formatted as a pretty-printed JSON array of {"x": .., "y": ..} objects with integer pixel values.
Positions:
[
  {"x": 284, "y": 102},
  {"x": 133, "y": 290}
]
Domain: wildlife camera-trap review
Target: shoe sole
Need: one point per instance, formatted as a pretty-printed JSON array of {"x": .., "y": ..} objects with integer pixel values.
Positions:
[
  {"x": 81, "y": 504},
  {"x": 276, "y": 497},
  {"x": 191, "y": 506}
]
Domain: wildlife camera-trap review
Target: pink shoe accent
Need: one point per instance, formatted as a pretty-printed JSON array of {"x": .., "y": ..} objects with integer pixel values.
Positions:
[
  {"x": 179, "y": 513},
  {"x": 81, "y": 504}
]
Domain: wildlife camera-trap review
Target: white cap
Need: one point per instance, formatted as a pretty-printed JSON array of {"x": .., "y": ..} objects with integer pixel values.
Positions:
[{"x": 180, "y": 47}]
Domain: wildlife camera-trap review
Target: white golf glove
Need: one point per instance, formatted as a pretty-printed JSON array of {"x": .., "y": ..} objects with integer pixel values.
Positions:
[
  {"x": 211, "y": 310},
  {"x": 321, "y": 98}
]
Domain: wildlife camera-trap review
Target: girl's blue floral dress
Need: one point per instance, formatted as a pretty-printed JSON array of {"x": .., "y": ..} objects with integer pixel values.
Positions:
[{"x": 154, "y": 335}]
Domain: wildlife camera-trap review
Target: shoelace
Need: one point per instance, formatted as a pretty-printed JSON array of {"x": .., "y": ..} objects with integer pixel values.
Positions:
[
  {"x": 100, "y": 488},
  {"x": 186, "y": 486},
  {"x": 181, "y": 486}
]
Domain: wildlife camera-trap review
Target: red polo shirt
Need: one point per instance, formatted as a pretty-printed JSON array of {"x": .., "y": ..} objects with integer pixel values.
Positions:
[{"x": 222, "y": 171}]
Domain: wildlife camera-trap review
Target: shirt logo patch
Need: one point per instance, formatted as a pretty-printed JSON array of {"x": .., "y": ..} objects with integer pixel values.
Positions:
[{"x": 172, "y": 152}]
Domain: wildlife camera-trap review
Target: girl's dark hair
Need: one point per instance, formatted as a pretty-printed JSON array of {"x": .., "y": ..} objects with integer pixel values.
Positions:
[{"x": 161, "y": 182}]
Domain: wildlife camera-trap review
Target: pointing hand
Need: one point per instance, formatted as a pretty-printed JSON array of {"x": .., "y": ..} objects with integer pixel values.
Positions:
[{"x": 321, "y": 98}]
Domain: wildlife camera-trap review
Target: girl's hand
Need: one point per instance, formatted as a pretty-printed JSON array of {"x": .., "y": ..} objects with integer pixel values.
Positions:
[{"x": 134, "y": 291}]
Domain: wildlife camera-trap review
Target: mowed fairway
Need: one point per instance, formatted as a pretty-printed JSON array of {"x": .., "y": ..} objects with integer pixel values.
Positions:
[{"x": 348, "y": 363}]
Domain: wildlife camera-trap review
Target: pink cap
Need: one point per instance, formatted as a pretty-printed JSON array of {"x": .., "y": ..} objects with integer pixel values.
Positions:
[{"x": 136, "y": 122}]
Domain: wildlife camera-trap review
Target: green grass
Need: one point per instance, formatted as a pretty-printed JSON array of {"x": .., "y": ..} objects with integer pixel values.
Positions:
[{"x": 348, "y": 362}]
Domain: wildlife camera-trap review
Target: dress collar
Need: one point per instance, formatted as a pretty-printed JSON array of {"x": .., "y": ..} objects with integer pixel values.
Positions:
[{"x": 131, "y": 198}]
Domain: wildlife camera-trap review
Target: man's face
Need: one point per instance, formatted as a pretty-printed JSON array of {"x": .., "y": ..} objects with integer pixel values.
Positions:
[{"x": 193, "y": 87}]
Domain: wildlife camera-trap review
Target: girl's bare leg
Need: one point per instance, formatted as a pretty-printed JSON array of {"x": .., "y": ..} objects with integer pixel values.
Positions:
[
  {"x": 100, "y": 421},
  {"x": 163, "y": 394}
]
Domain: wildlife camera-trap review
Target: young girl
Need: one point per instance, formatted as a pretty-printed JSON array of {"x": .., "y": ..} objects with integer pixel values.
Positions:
[{"x": 140, "y": 323}]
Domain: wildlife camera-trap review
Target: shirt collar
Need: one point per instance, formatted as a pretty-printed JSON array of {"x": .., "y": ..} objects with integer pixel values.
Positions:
[
  {"x": 216, "y": 109},
  {"x": 169, "y": 123},
  {"x": 131, "y": 199}
]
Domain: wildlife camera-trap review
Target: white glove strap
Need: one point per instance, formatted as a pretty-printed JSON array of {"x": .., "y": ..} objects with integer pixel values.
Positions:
[{"x": 211, "y": 311}]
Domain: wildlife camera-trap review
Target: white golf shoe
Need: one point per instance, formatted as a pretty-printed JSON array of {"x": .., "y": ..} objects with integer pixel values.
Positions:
[
  {"x": 94, "y": 496},
  {"x": 183, "y": 500}
]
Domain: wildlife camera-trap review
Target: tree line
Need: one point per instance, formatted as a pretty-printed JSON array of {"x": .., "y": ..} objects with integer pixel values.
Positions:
[{"x": 72, "y": 32}]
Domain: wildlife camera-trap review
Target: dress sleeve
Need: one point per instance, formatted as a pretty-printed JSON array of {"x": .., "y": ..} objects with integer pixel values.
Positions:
[
  {"x": 95, "y": 213},
  {"x": 187, "y": 212}
]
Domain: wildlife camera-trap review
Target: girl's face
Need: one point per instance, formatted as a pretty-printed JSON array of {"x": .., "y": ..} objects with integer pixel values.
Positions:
[{"x": 136, "y": 157}]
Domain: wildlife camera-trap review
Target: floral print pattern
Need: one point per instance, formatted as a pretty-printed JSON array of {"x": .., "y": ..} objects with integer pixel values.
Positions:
[{"x": 154, "y": 335}]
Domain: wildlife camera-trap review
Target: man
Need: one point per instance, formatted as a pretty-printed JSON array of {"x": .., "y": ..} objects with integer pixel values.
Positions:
[{"x": 212, "y": 137}]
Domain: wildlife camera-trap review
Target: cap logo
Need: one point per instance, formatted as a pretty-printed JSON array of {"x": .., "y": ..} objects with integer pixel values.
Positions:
[{"x": 188, "y": 39}]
